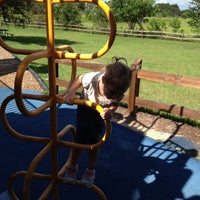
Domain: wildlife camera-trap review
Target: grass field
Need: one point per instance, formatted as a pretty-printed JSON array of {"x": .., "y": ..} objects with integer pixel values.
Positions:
[{"x": 175, "y": 57}]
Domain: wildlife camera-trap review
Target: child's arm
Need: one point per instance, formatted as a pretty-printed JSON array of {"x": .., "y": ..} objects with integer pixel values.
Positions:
[{"x": 71, "y": 93}]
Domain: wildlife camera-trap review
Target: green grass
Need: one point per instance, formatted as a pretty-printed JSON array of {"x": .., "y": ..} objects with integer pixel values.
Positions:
[{"x": 174, "y": 57}]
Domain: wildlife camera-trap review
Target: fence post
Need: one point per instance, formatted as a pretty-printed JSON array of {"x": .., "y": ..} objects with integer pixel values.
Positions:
[
  {"x": 91, "y": 30},
  {"x": 124, "y": 34},
  {"x": 182, "y": 36},
  {"x": 134, "y": 87}
]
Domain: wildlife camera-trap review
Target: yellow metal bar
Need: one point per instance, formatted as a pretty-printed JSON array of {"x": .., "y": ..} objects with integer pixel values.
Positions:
[
  {"x": 52, "y": 92},
  {"x": 60, "y": 54},
  {"x": 83, "y": 56},
  {"x": 18, "y": 84},
  {"x": 14, "y": 132},
  {"x": 32, "y": 167},
  {"x": 16, "y": 51},
  {"x": 98, "y": 108},
  {"x": 54, "y": 142}
]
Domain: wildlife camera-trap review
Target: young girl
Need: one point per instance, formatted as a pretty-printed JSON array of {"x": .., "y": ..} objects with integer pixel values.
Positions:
[{"x": 107, "y": 89}]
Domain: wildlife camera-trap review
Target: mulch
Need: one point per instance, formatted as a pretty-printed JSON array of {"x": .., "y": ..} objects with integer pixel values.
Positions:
[
  {"x": 8, "y": 66},
  {"x": 150, "y": 125}
]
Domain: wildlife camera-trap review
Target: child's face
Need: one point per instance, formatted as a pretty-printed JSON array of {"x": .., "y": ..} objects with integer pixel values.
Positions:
[{"x": 111, "y": 92}]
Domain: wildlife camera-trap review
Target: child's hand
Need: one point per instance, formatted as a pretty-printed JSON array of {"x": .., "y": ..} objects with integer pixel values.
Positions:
[
  {"x": 107, "y": 113},
  {"x": 69, "y": 97}
]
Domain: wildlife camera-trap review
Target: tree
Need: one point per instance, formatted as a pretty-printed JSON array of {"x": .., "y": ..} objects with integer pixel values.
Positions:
[
  {"x": 133, "y": 11},
  {"x": 38, "y": 12},
  {"x": 67, "y": 13},
  {"x": 175, "y": 24},
  {"x": 97, "y": 16},
  {"x": 16, "y": 12},
  {"x": 156, "y": 25},
  {"x": 167, "y": 10},
  {"x": 194, "y": 13},
  {"x": 185, "y": 14}
]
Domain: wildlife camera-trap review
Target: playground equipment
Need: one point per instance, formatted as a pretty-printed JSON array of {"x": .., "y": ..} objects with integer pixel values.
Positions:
[{"x": 50, "y": 101}]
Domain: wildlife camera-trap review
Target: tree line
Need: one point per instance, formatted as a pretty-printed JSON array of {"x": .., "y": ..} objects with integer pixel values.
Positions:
[{"x": 133, "y": 12}]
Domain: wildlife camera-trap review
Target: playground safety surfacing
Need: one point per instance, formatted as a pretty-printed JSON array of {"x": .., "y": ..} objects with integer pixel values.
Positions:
[{"x": 130, "y": 166}]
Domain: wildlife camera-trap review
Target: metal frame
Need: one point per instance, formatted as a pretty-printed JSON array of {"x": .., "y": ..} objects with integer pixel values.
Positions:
[{"x": 55, "y": 140}]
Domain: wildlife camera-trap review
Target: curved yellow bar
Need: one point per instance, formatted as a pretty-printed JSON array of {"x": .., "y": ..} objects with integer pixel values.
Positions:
[
  {"x": 50, "y": 100},
  {"x": 36, "y": 54},
  {"x": 16, "y": 51},
  {"x": 88, "y": 103},
  {"x": 84, "y": 56},
  {"x": 88, "y": 56},
  {"x": 98, "y": 108},
  {"x": 12, "y": 131},
  {"x": 19, "y": 96}
]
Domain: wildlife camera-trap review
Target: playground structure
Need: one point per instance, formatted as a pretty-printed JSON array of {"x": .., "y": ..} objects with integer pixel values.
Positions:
[{"x": 50, "y": 101}]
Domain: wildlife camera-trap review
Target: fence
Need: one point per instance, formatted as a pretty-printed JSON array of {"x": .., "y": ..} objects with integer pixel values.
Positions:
[
  {"x": 133, "y": 97},
  {"x": 159, "y": 34},
  {"x": 131, "y": 33},
  {"x": 123, "y": 32}
]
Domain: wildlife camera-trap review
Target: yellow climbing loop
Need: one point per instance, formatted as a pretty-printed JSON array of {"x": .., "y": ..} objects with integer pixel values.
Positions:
[{"x": 54, "y": 141}]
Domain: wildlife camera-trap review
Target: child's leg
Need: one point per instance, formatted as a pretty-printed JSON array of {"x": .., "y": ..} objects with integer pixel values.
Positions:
[
  {"x": 75, "y": 154},
  {"x": 89, "y": 174},
  {"x": 74, "y": 157},
  {"x": 72, "y": 165},
  {"x": 93, "y": 156}
]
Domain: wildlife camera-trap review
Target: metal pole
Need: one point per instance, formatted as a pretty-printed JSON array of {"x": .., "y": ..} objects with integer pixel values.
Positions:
[{"x": 52, "y": 93}]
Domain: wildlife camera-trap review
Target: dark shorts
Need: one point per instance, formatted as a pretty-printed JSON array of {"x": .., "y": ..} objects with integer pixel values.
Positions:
[{"x": 90, "y": 125}]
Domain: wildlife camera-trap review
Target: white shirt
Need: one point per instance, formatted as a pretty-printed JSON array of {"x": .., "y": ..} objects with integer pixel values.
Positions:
[{"x": 90, "y": 83}]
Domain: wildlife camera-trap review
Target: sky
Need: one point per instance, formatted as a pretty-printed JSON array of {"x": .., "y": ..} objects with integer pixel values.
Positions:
[{"x": 183, "y": 4}]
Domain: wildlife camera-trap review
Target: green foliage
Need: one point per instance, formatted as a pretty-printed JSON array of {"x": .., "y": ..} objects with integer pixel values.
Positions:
[
  {"x": 135, "y": 13},
  {"x": 167, "y": 10},
  {"x": 175, "y": 24},
  {"x": 185, "y": 14},
  {"x": 16, "y": 12},
  {"x": 195, "y": 15},
  {"x": 67, "y": 14},
  {"x": 117, "y": 8},
  {"x": 38, "y": 12},
  {"x": 132, "y": 11},
  {"x": 89, "y": 12},
  {"x": 156, "y": 25},
  {"x": 96, "y": 16}
]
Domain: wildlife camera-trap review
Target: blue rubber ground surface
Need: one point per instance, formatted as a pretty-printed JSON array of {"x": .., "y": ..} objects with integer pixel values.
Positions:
[{"x": 130, "y": 166}]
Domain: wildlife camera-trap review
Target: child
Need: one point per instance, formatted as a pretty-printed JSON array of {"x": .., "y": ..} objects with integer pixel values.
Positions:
[{"x": 105, "y": 88}]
